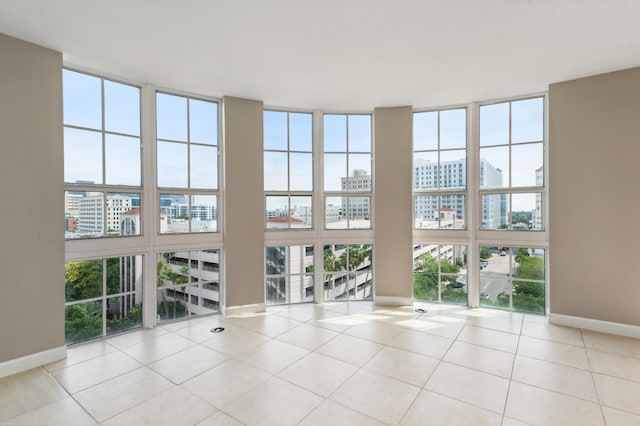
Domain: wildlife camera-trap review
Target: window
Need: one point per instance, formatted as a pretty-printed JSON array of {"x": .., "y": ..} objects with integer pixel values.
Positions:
[
  {"x": 102, "y": 296},
  {"x": 440, "y": 169},
  {"x": 513, "y": 278},
  {"x": 102, "y": 157},
  {"x": 288, "y": 170},
  {"x": 187, "y": 163},
  {"x": 188, "y": 283},
  {"x": 289, "y": 274},
  {"x": 347, "y": 171},
  {"x": 512, "y": 165},
  {"x": 348, "y": 272},
  {"x": 440, "y": 273}
]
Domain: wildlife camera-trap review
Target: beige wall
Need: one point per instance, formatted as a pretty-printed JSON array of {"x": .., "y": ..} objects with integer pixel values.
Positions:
[
  {"x": 244, "y": 208},
  {"x": 594, "y": 159},
  {"x": 393, "y": 262},
  {"x": 31, "y": 188}
]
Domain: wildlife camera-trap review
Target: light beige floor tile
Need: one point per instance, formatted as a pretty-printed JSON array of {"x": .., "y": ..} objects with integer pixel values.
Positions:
[
  {"x": 354, "y": 307},
  {"x": 307, "y": 336},
  {"x": 116, "y": 395},
  {"x": 542, "y": 407},
  {"x": 375, "y": 331},
  {"x": 187, "y": 364},
  {"x": 610, "y": 343},
  {"x": 507, "y": 324},
  {"x": 301, "y": 313},
  {"x": 273, "y": 402},
  {"x": 330, "y": 413},
  {"x": 474, "y": 387},
  {"x": 236, "y": 341},
  {"x": 318, "y": 373},
  {"x": 335, "y": 321},
  {"x": 220, "y": 419},
  {"x": 350, "y": 349},
  {"x": 375, "y": 395},
  {"x": 618, "y": 393},
  {"x": 201, "y": 331},
  {"x": 569, "y": 355},
  {"x": 81, "y": 353},
  {"x": 480, "y": 358},
  {"x": 493, "y": 339},
  {"x": 41, "y": 388},
  {"x": 611, "y": 364},
  {"x": 97, "y": 370},
  {"x": 438, "y": 410},
  {"x": 130, "y": 338},
  {"x": 422, "y": 343},
  {"x": 554, "y": 333},
  {"x": 270, "y": 325},
  {"x": 508, "y": 421},
  {"x": 620, "y": 418},
  {"x": 555, "y": 377},
  {"x": 151, "y": 350},
  {"x": 273, "y": 356},
  {"x": 221, "y": 384},
  {"x": 405, "y": 366},
  {"x": 173, "y": 407},
  {"x": 191, "y": 321},
  {"x": 540, "y": 319},
  {"x": 437, "y": 326},
  {"x": 63, "y": 412}
]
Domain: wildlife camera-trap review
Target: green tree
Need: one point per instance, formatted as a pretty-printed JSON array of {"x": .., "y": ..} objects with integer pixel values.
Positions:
[
  {"x": 425, "y": 278},
  {"x": 485, "y": 253},
  {"x": 82, "y": 322}
]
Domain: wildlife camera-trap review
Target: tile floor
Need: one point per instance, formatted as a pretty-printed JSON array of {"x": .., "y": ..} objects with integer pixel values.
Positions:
[{"x": 338, "y": 364}]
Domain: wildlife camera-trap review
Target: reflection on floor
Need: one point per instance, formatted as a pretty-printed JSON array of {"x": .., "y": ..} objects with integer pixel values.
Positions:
[{"x": 339, "y": 364}]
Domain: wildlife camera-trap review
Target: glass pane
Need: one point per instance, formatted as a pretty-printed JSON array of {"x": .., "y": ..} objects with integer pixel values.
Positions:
[
  {"x": 451, "y": 212},
  {"x": 494, "y": 261},
  {"x": 425, "y": 170},
  {"x": 296, "y": 288},
  {"x": 494, "y": 211},
  {"x": 527, "y": 120},
  {"x": 275, "y": 171},
  {"x": 204, "y": 213},
  {"x": 523, "y": 210},
  {"x": 82, "y": 156},
  {"x": 91, "y": 215},
  {"x": 301, "y": 172},
  {"x": 82, "y": 322},
  {"x": 494, "y": 124},
  {"x": 124, "y": 275},
  {"x": 275, "y": 130},
  {"x": 124, "y": 313},
  {"x": 453, "y": 289},
  {"x": 300, "y": 258},
  {"x": 277, "y": 211},
  {"x": 174, "y": 213},
  {"x": 526, "y": 160},
  {"x": 528, "y": 296},
  {"x": 335, "y": 172},
  {"x": 359, "y": 172},
  {"x": 276, "y": 260},
  {"x": 335, "y": 213},
  {"x": 172, "y": 165},
  {"x": 121, "y": 211},
  {"x": 335, "y": 133},
  {"x": 364, "y": 284},
  {"x": 82, "y": 96},
  {"x": 172, "y": 303},
  {"x": 83, "y": 279},
  {"x": 204, "y": 167},
  {"x": 276, "y": 291},
  {"x": 529, "y": 263},
  {"x": 494, "y": 292},
  {"x": 121, "y": 108},
  {"x": 171, "y": 117},
  {"x": 122, "y": 160},
  {"x": 425, "y": 130},
  {"x": 453, "y": 128},
  {"x": 203, "y": 122},
  {"x": 173, "y": 268},
  {"x": 359, "y": 133},
  {"x": 301, "y": 212},
  {"x": 426, "y": 207},
  {"x": 453, "y": 173},
  {"x": 333, "y": 258},
  {"x": 359, "y": 212},
  {"x": 494, "y": 167},
  {"x": 300, "y": 132}
]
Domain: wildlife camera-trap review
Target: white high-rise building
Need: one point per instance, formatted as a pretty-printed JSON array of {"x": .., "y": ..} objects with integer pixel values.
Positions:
[
  {"x": 536, "y": 221},
  {"x": 91, "y": 213},
  {"x": 359, "y": 207}
]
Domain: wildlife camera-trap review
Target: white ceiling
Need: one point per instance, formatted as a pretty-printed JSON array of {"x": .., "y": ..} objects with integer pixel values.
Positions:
[{"x": 337, "y": 54}]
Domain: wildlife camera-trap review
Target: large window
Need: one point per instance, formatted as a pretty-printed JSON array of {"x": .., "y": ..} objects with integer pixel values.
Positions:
[
  {"x": 440, "y": 169},
  {"x": 289, "y": 274},
  {"x": 440, "y": 273},
  {"x": 102, "y": 157},
  {"x": 511, "y": 169},
  {"x": 187, "y": 163},
  {"x": 348, "y": 272},
  {"x": 102, "y": 296},
  {"x": 288, "y": 170},
  {"x": 347, "y": 171}
]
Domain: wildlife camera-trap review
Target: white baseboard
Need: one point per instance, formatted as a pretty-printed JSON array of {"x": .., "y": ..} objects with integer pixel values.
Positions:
[
  {"x": 30, "y": 361},
  {"x": 596, "y": 325},
  {"x": 393, "y": 301},
  {"x": 244, "y": 309}
]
